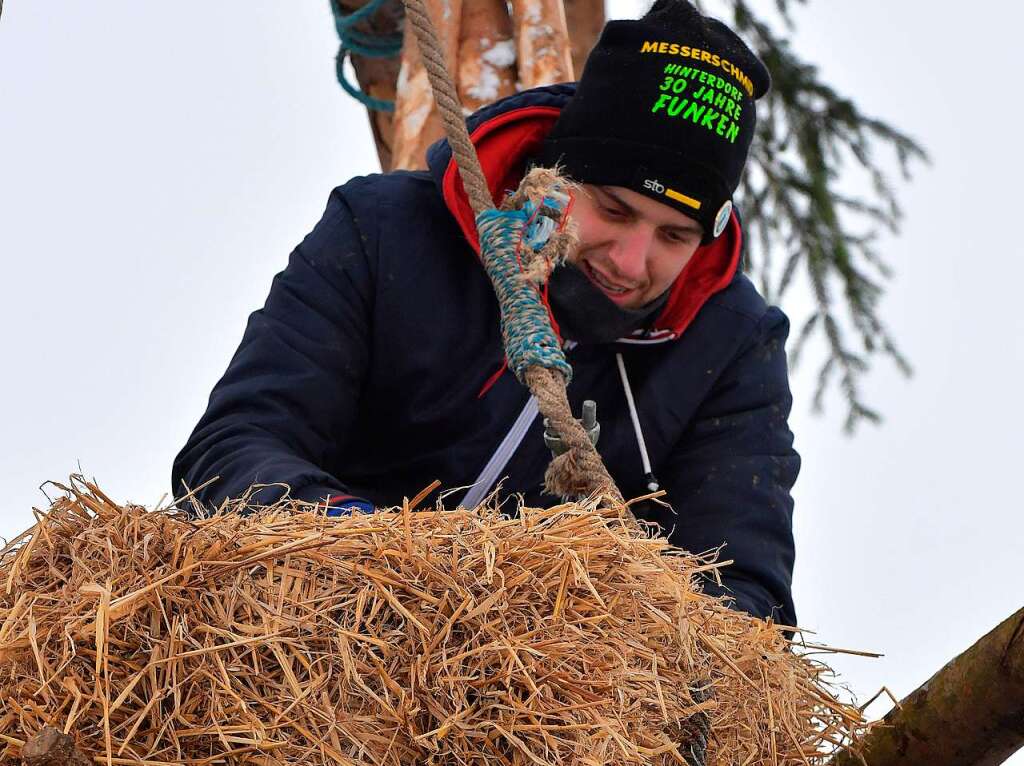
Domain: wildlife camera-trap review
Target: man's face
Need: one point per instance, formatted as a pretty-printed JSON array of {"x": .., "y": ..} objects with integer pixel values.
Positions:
[{"x": 631, "y": 246}]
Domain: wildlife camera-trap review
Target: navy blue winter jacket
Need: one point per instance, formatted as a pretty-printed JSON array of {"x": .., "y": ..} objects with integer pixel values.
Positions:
[{"x": 369, "y": 373}]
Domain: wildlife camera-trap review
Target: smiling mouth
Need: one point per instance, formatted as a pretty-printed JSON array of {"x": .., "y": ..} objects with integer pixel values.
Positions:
[{"x": 608, "y": 286}]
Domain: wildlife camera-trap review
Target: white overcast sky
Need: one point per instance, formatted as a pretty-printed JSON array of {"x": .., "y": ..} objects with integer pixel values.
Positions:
[{"x": 159, "y": 161}]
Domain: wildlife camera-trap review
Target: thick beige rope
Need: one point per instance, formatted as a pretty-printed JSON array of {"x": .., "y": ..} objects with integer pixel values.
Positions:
[
  {"x": 448, "y": 105},
  {"x": 580, "y": 470}
]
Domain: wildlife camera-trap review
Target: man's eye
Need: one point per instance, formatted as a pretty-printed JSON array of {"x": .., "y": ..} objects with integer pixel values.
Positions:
[
  {"x": 613, "y": 212},
  {"x": 678, "y": 238}
]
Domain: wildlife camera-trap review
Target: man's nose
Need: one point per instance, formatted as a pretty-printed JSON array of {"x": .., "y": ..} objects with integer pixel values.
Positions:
[{"x": 630, "y": 251}]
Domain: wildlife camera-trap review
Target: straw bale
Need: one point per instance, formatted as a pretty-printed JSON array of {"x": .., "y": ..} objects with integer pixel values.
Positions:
[{"x": 569, "y": 635}]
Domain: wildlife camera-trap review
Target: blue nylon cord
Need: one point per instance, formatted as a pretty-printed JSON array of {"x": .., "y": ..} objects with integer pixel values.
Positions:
[
  {"x": 362, "y": 44},
  {"x": 342, "y": 21},
  {"x": 377, "y": 104}
]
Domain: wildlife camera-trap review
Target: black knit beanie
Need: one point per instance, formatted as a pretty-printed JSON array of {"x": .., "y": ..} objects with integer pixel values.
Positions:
[{"x": 664, "y": 107}]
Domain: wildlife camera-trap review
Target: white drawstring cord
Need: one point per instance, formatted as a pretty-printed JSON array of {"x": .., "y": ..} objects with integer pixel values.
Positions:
[{"x": 652, "y": 482}]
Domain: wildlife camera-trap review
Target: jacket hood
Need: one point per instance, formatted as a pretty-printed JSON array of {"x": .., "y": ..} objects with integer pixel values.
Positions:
[{"x": 507, "y": 134}]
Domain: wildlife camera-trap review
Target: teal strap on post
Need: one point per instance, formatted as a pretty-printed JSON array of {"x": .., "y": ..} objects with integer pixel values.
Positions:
[
  {"x": 362, "y": 44},
  {"x": 525, "y": 327}
]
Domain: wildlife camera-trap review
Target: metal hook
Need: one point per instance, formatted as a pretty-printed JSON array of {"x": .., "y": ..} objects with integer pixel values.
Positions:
[{"x": 554, "y": 442}]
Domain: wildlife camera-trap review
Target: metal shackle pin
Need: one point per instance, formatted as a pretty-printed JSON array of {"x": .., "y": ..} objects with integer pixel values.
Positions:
[{"x": 554, "y": 442}]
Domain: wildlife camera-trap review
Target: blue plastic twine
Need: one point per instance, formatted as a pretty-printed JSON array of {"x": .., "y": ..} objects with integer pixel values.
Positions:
[
  {"x": 362, "y": 44},
  {"x": 525, "y": 329}
]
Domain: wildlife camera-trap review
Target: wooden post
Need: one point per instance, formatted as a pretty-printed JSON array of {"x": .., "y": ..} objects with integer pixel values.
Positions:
[
  {"x": 487, "y": 54},
  {"x": 481, "y": 25},
  {"x": 52, "y": 747},
  {"x": 970, "y": 713},
  {"x": 542, "y": 42},
  {"x": 417, "y": 121},
  {"x": 585, "y": 20}
]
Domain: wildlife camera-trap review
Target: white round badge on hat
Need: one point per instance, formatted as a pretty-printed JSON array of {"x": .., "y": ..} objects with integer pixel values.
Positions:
[{"x": 722, "y": 219}]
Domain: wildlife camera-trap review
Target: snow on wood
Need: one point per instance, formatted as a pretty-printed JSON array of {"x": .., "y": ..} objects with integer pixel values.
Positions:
[
  {"x": 416, "y": 123},
  {"x": 542, "y": 42},
  {"x": 487, "y": 54}
]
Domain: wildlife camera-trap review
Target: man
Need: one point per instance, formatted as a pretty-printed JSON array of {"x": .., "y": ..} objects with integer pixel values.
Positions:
[{"x": 376, "y": 365}]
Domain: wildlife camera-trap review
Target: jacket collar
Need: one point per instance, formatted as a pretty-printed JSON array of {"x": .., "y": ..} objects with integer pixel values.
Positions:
[{"x": 508, "y": 133}]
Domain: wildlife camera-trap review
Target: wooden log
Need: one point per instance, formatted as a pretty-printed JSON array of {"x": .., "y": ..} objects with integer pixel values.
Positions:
[
  {"x": 52, "y": 747},
  {"x": 487, "y": 54},
  {"x": 970, "y": 713},
  {"x": 585, "y": 20},
  {"x": 542, "y": 43},
  {"x": 417, "y": 123},
  {"x": 541, "y": 49}
]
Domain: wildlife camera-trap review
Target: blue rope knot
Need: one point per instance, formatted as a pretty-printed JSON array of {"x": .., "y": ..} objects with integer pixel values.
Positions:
[{"x": 525, "y": 328}]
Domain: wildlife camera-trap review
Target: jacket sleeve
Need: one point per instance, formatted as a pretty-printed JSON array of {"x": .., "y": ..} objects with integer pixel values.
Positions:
[
  {"x": 291, "y": 390},
  {"x": 730, "y": 478}
]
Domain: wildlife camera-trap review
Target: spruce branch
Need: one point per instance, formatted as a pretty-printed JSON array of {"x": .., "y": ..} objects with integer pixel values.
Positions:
[{"x": 808, "y": 137}]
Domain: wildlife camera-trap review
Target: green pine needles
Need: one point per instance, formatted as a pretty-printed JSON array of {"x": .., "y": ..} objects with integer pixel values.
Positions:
[{"x": 793, "y": 205}]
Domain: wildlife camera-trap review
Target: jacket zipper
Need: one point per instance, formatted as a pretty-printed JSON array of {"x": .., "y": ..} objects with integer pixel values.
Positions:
[{"x": 494, "y": 467}]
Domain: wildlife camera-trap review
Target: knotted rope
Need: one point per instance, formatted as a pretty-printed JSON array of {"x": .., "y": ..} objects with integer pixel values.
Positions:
[
  {"x": 520, "y": 244},
  {"x": 527, "y": 229}
]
